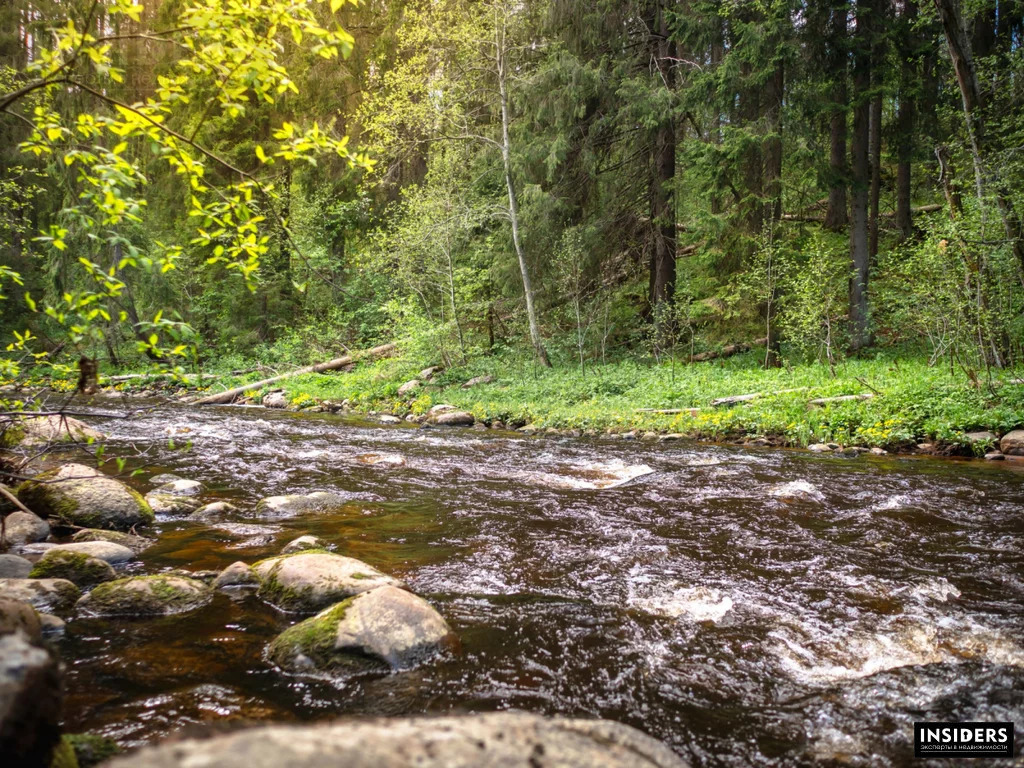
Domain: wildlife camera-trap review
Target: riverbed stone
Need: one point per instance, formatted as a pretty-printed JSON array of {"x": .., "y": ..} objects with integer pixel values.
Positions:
[
  {"x": 113, "y": 553},
  {"x": 492, "y": 740},
  {"x": 159, "y": 595},
  {"x": 180, "y": 487},
  {"x": 818, "y": 448},
  {"x": 19, "y": 616},
  {"x": 77, "y": 495},
  {"x": 311, "y": 581},
  {"x": 46, "y": 595},
  {"x": 24, "y": 528},
  {"x": 14, "y": 567},
  {"x": 381, "y": 459},
  {"x": 171, "y": 504},
  {"x": 78, "y": 568},
  {"x": 44, "y": 430},
  {"x": 238, "y": 574},
  {"x": 387, "y": 418},
  {"x": 135, "y": 543},
  {"x": 164, "y": 477},
  {"x": 51, "y": 625},
  {"x": 214, "y": 511},
  {"x": 453, "y": 419},
  {"x": 301, "y": 544},
  {"x": 1012, "y": 443},
  {"x": 386, "y": 623},
  {"x": 293, "y": 505},
  {"x": 30, "y": 702},
  {"x": 796, "y": 490}
]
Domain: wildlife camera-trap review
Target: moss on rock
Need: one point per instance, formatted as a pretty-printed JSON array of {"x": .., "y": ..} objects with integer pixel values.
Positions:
[
  {"x": 81, "y": 496},
  {"x": 309, "y": 645},
  {"x": 92, "y": 749},
  {"x": 77, "y": 567},
  {"x": 159, "y": 595}
]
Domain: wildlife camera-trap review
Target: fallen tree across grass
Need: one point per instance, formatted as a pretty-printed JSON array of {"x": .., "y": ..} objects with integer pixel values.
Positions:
[{"x": 330, "y": 365}]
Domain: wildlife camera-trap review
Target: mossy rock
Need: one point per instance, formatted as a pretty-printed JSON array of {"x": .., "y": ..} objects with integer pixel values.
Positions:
[
  {"x": 312, "y": 580},
  {"x": 294, "y": 505},
  {"x": 135, "y": 543},
  {"x": 81, "y": 496},
  {"x": 143, "y": 596},
  {"x": 386, "y": 627},
  {"x": 46, "y": 430},
  {"x": 77, "y": 567},
  {"x": 64, "y": 755},
  {"x": 92, "y": 749},
  {"x": 45, "y": 595},
  {"x": 171, "y": 504}
]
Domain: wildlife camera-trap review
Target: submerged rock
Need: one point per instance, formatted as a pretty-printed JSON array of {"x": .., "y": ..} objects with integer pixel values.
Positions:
[
  {"x": 301, "y": 544},
  {"x": 215, "y": 511},
  {"x": 598, "y": 475},
  {"x": 77, "y": 495},
  {"x": 180, "y": 487},
  {"x": 381, "y": 459},
  {"x": 160, "y": 595},
  {"x": 237, "y": 574},
  {"x": 43, "y": 430},
  {"x": 293, "y": 505},
  {"x": 164, "y": 477},
  {"x": 14, "y": 567},
  {"x": 387, "y": 418},
  {"x": 46, "y": 595},
  {"x": 171, "y": 504},
  {"x": 493, "y": 740},
  {"x": 135, "y": 543},
  {"x": 797, "y": 490},
  {"x": 23, "y": 528},
  {"x": 310, "y": 581},
  {"x": 386, "y": 623},
  {"x": 30, "y": 702},
  {"x": 77, "y": 567}
]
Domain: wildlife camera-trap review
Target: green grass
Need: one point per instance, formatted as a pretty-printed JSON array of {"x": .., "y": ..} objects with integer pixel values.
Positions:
[{"x": 913, "y": 402}]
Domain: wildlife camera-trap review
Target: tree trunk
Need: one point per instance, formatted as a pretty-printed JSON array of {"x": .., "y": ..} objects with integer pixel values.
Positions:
[
  {"x": 774, "y": 89},
  {"x": 513, "y": 205},
  {"x": 836, "y": 216},
  {"x": 663, "y": 160},
  {"x": 860, "y": 255},
  {"x": 905, "y": 119},
  {"x": 875, "y": 152}
]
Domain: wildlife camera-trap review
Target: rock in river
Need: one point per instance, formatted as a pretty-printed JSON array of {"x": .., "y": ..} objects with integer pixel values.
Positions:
[
  {"x": 1012, "y": 443},
  {"x": 14, "y": 567},
  {"x": 135, "y": 543},
  {"x": 386, "y": 623},
  {"x": 218, "y": 510},
  {"x": 796, "y": 490},
  {"x": 237, "y": 574},
  {"x": 301, "y": 544},
  {"x": 19, "y": 616},
  {"x": 112, "y": 553},
  {"x": 30, "y": 702},
  {"x": 75, "y": 494},
  {"x": 180, "y": 487},
  {"x": 293, "y": 505},
  {"x": 23, "y": 528},
  {"x": 77, "y": 567},
  {"x": 160, "y": 595},
  {"x": 43, "y": 430},
  {"x": 310, "y": 581},
  {"x": 171, "y": 504},
  {"x": 493, "y": 740},
  {"x": 452, "y": 419},
  {"x": 46, "y": 595}
]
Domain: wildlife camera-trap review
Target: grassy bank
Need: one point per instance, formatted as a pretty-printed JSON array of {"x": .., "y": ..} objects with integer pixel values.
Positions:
[{"x": 911, "y": 401}]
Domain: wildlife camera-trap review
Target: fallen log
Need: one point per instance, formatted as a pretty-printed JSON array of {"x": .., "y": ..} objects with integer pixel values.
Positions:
[
  {"x": 330, "y": 365},
  {"x": 840, "y": 399},
  {"x": 728, "y": 351}
]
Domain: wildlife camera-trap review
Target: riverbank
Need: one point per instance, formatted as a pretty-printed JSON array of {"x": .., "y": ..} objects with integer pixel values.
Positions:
[{"x": 890, "y": 403}]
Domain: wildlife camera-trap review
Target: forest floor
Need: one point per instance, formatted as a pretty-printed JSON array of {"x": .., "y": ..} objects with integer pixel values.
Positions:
[{"x": 902, "y": 401}]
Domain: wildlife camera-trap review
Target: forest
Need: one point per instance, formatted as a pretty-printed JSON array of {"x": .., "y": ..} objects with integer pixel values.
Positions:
[{"x": 612, "y": 191}]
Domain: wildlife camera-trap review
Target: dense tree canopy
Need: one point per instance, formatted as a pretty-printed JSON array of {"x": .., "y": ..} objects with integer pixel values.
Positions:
[{"x": 211, "y": 177}]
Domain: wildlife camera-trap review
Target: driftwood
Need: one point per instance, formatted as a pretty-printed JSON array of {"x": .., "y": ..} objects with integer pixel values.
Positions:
[
  {"x": 330, "y": 365},
  {"x": 840, "y": 399},
  {"x": 669, "y": 411},
  {"x": 729, "y": 351},
  {"x": 753, "y": 396}
]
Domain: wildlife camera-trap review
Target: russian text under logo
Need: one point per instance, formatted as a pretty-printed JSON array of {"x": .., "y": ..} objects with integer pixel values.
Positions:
[{"x": 963, "y": 739}]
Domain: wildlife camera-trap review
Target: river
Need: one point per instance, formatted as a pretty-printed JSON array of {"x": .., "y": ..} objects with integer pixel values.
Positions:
[{"x": 738, "y": 622}]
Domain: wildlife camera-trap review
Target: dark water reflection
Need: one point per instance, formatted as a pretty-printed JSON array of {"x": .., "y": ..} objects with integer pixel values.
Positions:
[{"x": 739, "y": 626}]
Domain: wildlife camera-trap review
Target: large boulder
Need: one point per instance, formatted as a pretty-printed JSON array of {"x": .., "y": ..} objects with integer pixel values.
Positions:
[
  {"x": 275, "y": 400},
  {"x": 1012, "y": 443},
  {"x": 386, "y": 624},
  {"x": 30, "y": 702},
  {"x": 108, "y": 551},
  {"x": 44, "y": 430},
  {"x": 160, "y": 595},
  {"x": 135, "y": 543},
  {"x": 409, "y": 387},
  {"x": 77, "y": 495},
  {"x": 45, "y": 595},
  {"x": 77, "y": 567},
  {"x": 14, "y": 567},
  {"x": 494, "y": 740},
  {"x": 22, "y": 528},
  {"x": 452, "y": 419},
  {"x": 310, "y": 581},
  {"x": 293, "y": 505}
]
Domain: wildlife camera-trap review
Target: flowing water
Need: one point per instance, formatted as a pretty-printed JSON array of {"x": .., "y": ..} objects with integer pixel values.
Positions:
[{"x": 745, "y": 606}]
